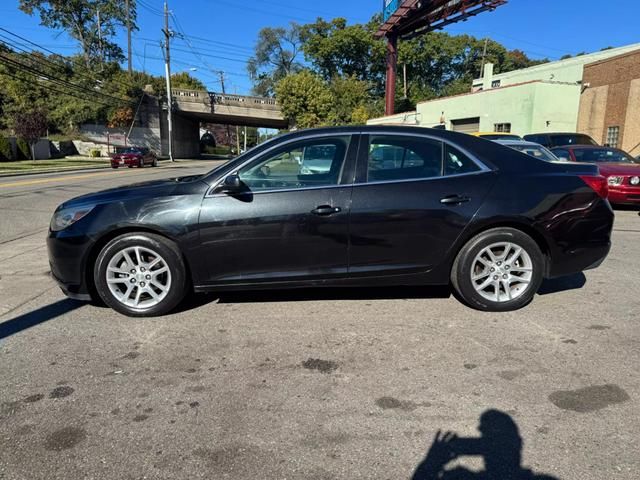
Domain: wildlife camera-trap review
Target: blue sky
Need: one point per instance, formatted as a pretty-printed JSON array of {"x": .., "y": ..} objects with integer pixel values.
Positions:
[{"x": 228, "y": 29}]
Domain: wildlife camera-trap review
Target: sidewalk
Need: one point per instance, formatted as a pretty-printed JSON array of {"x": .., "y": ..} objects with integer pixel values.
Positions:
[{"x": 69, "y": 164}]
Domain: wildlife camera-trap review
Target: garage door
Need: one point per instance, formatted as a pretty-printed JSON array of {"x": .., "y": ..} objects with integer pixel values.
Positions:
[{"x": 466, "y": 125}]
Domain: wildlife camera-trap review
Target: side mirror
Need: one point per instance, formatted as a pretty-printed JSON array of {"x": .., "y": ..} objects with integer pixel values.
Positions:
[{"x": 231, "y": 184}]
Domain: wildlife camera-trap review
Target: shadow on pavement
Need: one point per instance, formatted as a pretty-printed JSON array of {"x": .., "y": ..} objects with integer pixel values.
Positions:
[
  {"x": 315, "y": 294},
  {"x": 499, "y": 446},
  {"x": 562, "y": 284},
  {"x": 41, "y": 315}
]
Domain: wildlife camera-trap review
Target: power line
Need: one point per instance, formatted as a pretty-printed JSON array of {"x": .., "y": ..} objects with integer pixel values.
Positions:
[
  {"x": 40, "y": 47},
  {"x": 79, "y": 88},
  {"x": 53, "y": 89}
]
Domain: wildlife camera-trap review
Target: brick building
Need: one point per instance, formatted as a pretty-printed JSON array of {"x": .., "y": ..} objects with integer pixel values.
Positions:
[{"x": 610, "y": 102}]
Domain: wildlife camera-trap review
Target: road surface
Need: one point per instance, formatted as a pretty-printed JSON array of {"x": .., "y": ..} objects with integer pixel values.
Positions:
[{"x": 343, "y": 384}]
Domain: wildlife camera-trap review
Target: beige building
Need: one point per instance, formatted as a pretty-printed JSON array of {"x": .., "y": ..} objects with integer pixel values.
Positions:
[{"x": 610, "y": 102}]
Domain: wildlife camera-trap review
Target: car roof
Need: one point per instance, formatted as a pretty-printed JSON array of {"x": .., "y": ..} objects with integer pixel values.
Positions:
[
  {"x": 558, "y": 133},
  {"x": 517, "y": 142},
  {"x": 585, "y": 147}
]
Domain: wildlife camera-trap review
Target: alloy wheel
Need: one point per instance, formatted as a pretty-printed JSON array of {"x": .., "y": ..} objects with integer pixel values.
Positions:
[
  {"x": 502, "y": 272},
  {"x": 138, "y": 277}
]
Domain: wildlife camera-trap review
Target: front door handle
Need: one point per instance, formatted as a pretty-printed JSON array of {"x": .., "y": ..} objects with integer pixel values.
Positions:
[
  {"x": 325, "y": 210},
  {"x": 454, "y": 199}
]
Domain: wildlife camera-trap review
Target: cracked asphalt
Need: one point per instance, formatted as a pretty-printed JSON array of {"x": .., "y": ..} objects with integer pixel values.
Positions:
[{"x": 312, "y": 384}]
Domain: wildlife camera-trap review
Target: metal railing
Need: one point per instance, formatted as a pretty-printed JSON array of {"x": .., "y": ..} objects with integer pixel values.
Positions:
[{"x": 207, "y": 98}]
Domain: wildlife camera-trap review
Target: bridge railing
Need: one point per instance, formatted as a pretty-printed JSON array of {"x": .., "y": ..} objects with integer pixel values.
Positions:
[{"x": 200, "y": 96}]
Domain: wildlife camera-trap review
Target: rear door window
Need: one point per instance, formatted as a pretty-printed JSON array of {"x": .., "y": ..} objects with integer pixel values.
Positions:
[{"x": 392, "y": 157}]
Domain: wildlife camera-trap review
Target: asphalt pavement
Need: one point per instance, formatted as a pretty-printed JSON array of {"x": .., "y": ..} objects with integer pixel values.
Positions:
[{"x": 312, "y": 384}]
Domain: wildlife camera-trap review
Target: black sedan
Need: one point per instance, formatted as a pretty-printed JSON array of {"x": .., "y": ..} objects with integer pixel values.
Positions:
[{"x": 381, "y": 206}]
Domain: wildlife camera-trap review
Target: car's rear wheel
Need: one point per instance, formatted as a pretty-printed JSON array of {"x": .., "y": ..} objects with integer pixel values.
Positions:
[
  {"x": 141, "y": 275},
  {"x": 114, "y": 166},
  {"x": 155, "y": 162},
  {"x": 498, "y": 270}
]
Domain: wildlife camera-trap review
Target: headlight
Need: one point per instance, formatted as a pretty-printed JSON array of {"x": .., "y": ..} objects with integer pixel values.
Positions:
[
  {"x": 68, "y": 216},
  {"x": 634, "y": 181},
  {"x": 615, "y": 181}
]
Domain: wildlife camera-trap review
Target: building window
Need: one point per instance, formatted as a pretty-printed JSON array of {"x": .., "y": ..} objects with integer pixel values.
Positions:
[
  {"x": 502, "y": 127},
  {"x": 495, "y": 84},
  {"x": 613, "y": 136}
]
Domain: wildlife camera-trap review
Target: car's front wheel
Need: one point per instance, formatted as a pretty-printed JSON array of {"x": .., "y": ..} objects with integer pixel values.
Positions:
[
  {"x": 141, "y": 275},
  {"x": 498, "y": 270}
]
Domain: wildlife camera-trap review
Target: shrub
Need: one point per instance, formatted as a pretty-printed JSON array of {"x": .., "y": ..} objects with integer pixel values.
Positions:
[
  {"x": 217, "y": 150},
  {"x": 95, "y": 153},
  {"x": 24, "y": 151},
  {"x": 6, "y": 153}
]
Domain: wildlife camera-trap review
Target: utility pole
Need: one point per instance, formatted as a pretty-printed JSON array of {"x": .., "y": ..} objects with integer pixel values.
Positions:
[
  {"x": 484, "y": 54},
  {"x": 129, "y": 36},
  {"x": 404, "y": 72},
  {"x": 100, "y": 36},
  {"x": 245, "y": 138},
  {"x": 224, "y": 92},
  {"x": 167, "y": 70}
]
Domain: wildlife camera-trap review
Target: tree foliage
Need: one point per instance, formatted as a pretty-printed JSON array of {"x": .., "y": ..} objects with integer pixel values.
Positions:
[
  {"x": 30, "y": 126},
  {"x": 276, "y": 56},
  {"x": 305, "y": 99},
  {"x": 79, "y": 18},
  {"x": 351, "y": 63},
  {"x": 186, "y": 81}
]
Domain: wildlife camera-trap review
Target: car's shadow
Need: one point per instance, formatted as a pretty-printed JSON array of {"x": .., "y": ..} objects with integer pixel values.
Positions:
[{"x": 193, "y": 301}]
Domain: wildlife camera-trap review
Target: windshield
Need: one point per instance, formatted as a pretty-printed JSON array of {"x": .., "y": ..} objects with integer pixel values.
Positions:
[
  {"x": 537, "y": 151},
  {"x": 603, "y": 155},
  {"x": 501, "y": 136},
  {"x": 571, "y": 139}
]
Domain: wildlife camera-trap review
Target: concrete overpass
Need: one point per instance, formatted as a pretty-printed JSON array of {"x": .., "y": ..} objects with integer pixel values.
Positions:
[{"x": 228, "y": 109}]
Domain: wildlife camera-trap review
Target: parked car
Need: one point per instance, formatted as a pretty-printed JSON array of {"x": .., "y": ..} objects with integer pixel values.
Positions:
[
  {"x": 532, "y": 149},
  {"x": 134, "y": 157},
  {"x": 455, "y": 209},
  {"x": 552, "y": 140},
  {"x": 497, "y": 136},
  {"x": 621, "y": 170}
]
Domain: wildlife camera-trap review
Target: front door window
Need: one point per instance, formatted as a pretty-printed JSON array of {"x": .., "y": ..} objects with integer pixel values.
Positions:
[{"x": 303, "y": 164}]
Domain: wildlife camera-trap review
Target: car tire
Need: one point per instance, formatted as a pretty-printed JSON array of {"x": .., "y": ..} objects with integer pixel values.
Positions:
[
  {"x": 155, "y": 162},
  {"x": 114, "y": 167},
  {"x": 498, "y": 270},
  {"x": 140, "y": 163},
  {"x": 141, "y": 275}
]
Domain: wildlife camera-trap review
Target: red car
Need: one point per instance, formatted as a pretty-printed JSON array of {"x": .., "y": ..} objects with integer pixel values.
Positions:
[
  {"x": 134, "y": 157},
  {"x": 621, "y": 169}
]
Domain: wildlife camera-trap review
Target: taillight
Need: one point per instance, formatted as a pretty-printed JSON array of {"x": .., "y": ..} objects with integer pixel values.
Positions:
[{"x": 598, "y": 183}]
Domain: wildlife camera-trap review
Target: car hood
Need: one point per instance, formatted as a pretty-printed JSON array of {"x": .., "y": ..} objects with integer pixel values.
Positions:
[
  {"x": 151, "y": 189},
  {"x": 619, "y": 168}
]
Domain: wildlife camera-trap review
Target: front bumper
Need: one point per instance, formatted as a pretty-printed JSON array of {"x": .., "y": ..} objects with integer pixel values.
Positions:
[
  {"x": 68, "y": 254},
  {"x": 624, "y": 195}
]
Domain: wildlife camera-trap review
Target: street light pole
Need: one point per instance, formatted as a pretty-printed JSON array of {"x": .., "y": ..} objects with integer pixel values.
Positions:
[{"x": 167, "y": 70}]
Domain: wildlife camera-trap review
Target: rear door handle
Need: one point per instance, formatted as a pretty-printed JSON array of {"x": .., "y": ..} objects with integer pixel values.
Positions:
[
  {"x": 454, "y": 199},
  {"x": 325, "y": 210}
]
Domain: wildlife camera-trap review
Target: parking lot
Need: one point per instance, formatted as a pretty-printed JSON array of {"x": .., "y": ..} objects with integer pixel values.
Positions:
[{"x": 311, "y": 384}]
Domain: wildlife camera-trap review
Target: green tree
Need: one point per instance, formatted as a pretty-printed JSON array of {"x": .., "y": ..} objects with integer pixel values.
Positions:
[
  {"x": 305, "y": 99},
  {"x": 31, "y": 126},
  {"x": 79, "y": 18},
  {"x": 186, "y": 81},
  {"x": 350, "y": 98},
  {"x": 335, "y": 48},
  {"x": 276, "y": 56}
]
